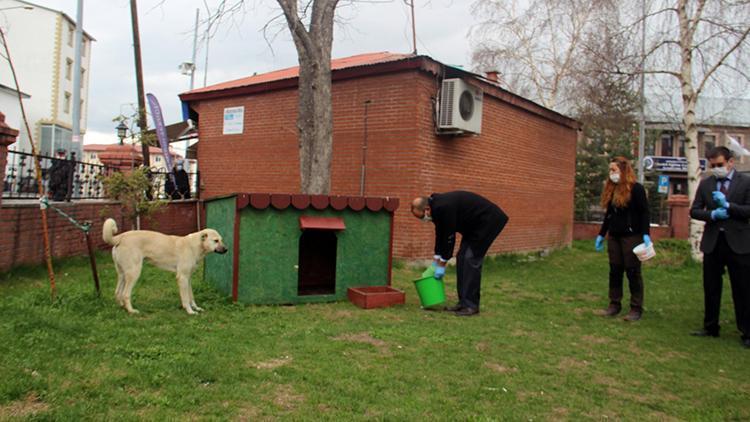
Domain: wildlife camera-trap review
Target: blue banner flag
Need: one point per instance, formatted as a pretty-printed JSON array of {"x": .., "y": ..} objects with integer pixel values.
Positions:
[{"x": 161, "y": 132}]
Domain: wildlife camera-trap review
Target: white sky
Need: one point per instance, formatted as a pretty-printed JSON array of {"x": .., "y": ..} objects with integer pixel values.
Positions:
[{"x": 238, "y": 49}]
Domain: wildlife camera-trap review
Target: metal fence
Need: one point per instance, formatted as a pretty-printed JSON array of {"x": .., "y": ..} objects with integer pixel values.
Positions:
[
  {"x": 184, "y": 185},
  {"x": 78, "y": 180},
  {"x": 75, "y": 180}
]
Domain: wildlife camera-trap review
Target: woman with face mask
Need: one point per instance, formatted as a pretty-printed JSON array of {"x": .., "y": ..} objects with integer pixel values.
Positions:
[{"x": 627, "y": 223}]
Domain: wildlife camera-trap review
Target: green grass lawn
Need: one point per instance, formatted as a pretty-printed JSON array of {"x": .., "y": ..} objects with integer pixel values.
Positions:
[{"x": 536, "y": 352}]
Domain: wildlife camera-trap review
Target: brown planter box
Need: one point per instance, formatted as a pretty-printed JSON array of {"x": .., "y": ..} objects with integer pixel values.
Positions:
[{"x": 375, "y": 296}]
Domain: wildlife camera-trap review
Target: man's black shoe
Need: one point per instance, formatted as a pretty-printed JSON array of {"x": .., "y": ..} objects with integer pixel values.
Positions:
[
  {"x": 704, "y": 333},
  {"x": 454, "y": 308},
  {"x": 467, "y": 312},
  {"x": 746, "y": 342}
]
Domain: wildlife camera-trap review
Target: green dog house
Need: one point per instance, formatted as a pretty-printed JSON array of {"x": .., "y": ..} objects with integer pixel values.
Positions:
[{"x": 287, "y": 249}]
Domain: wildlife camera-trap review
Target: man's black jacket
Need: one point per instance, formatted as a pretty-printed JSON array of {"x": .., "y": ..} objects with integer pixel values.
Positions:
[{"x": 477, "y": 219}]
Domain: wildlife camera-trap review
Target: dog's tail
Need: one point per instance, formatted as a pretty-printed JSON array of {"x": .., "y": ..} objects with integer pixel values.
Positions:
[{"x": 109, "y": 230}]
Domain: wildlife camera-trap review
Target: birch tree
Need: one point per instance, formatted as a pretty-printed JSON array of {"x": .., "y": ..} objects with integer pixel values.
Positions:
[
  {"x": 534, "y": 45},
  {"x": 700, "y": 45}
]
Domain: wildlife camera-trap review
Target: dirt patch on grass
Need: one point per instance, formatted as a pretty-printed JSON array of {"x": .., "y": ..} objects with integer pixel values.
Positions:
[
  {"x": 567, "y": 364},
  {"x": 500, "y": 368},
  {"x": 273, "y": 363},
  {"x": 246, "y": 412},
  {"x": 589, "y": 339},
  {"x": 588, "y": 297},
  {"x": 604, "y": 380},
  {"x": 365, "y": 338},
  {"x": 31, "y": 405},
  {"x": 482, "y": 346},
  {"x": 559, "y": 414},
  {"x": 286, "y": 398}
]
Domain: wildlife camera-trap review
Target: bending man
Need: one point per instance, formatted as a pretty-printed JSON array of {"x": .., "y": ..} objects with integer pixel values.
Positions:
[{"x": 479, "y": 221}]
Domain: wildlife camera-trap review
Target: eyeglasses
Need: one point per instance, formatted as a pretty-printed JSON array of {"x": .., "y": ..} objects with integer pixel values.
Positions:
[{"x": 716, "y": 165}]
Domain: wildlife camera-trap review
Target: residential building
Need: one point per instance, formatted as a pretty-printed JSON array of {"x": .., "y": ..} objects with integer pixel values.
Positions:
[
  {"x": 41, "y": 43},
  {"x": 388, "y": 141},
  {"x": 158, "y": 163},
  {"x": 718, "y": 119}
]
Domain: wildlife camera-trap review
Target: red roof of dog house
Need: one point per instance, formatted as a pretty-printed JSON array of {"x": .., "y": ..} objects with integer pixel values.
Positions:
[{"x": 282, "y": 201}]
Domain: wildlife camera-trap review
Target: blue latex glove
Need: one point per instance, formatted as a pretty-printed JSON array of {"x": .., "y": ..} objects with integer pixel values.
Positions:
[
  {"x": 439, "y": 272},
  {"x": 646, "y": 240},
  {"x": 719, "y": 214},
  {"x": 599, "y": 243},
  {"x": 720, "y": 199}
]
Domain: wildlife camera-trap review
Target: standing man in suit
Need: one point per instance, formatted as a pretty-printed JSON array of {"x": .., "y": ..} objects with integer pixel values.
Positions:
[
  {"x": 723, "y": 202},
  {"x": 479, "y": 221}
]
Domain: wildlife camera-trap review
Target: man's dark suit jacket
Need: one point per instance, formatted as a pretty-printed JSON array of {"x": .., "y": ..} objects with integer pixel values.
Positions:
[{"x": 736, "y": 227}]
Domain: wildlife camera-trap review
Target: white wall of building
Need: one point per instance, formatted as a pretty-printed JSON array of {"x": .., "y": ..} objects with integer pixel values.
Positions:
[{"x": 38, "y": 43}]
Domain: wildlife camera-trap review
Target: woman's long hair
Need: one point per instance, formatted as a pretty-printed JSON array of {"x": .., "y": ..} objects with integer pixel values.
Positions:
[{"x": 619, "y": 193}]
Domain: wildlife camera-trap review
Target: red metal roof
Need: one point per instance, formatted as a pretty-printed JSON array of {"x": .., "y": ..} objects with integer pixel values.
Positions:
[
  {"x": 282, "y": 201},
  {"x": 321, "y": 223},
  {"x": 293, "y": 72}
]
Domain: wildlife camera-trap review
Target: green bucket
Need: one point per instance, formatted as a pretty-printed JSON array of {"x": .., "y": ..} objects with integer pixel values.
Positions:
[{"x": 431, "y": 291}]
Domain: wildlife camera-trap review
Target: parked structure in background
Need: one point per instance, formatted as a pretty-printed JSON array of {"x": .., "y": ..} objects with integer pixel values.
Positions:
[{"x": 42, "y": 43}]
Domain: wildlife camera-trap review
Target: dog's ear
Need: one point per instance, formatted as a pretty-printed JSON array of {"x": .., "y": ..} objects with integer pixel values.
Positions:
[{"x": 204, "y": 236}]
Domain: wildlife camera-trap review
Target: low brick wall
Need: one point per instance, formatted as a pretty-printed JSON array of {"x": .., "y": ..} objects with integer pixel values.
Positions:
[
  {"x": 21, "y": 240},
  {"x": 585, "y": 231}
]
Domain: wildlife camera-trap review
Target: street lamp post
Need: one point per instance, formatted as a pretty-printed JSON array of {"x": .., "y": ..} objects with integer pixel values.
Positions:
[{"x": 122, "y": 131}]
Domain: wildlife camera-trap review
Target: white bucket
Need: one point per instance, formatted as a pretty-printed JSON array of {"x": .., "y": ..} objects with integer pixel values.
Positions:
[{"x": 644, "y": 253}]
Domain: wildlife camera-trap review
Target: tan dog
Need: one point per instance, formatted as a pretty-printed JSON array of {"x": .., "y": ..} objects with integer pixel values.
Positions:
[{"x": 172, "y": 253}]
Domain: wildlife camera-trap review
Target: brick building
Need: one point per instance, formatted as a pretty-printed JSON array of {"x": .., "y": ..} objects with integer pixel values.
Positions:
[{"x": 523, "y": 158}]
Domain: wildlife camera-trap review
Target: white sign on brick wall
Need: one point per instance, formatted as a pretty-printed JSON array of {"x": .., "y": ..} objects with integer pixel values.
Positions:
[{"x": 233, "y": 118}]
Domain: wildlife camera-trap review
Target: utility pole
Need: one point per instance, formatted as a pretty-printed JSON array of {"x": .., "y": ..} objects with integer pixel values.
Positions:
[
  {"x": 642, "y": 117},
  {"x": 413, "y": 28},
  {"x": 142, "y": 124},
  {"x": 195, "y": 46},
  {"x": 77, "y": 141}
]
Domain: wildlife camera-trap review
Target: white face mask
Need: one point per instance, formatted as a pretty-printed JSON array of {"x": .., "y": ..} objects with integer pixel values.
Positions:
[
  {"x": 720, "y": 172},
  {"x": 426, "y": 218},
  {"x": 614, "y": 177}
]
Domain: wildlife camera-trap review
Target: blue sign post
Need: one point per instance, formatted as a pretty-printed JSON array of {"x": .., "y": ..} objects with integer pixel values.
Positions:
[{"x": 664, "y": 184}]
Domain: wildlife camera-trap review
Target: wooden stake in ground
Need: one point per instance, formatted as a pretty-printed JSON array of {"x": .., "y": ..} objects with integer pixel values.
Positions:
[{"x": 37, "y": 166}]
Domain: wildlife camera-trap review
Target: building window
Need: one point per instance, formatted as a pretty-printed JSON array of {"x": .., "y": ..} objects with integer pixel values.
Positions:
[
  {"x": 68, "y": 68},
  {"x": 667, "y": 146},
  {"x": 83, "y": 78},
  {"x": 157, "y": 159},
  {"x": 84, "y": 44},
  {"x": 681, "y": 150},
  {"x": 71, "y": 33},
  {"x": 66, "y": 103},
  {"x": 707, "y": 144}
]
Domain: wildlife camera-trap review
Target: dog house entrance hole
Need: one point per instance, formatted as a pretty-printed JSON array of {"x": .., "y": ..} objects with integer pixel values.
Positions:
[{"x": 317, "y": 262}]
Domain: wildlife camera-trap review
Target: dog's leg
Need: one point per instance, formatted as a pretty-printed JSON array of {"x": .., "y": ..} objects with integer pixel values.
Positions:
[
  {"x": 185, "y": 296},
  {"x": 192, "y": 299},
  {"x": 131, "y": 277},
  {"x": 120, "y": 286}
]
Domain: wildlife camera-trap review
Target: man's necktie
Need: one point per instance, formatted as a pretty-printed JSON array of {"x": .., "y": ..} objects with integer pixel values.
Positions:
[{"x": 723, "y": 186}]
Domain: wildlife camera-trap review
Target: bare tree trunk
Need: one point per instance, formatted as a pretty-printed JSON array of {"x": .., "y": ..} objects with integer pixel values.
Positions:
[
  {"x": 689, "y": 100},
  {"x": 315, "y": 119}
]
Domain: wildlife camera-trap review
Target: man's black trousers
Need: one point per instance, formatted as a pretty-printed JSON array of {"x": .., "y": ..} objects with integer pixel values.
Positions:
[
  {"x": 739, "y": 278},
  {"x": 469, "y": 267}
]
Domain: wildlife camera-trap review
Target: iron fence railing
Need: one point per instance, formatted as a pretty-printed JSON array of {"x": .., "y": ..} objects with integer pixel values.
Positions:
[{"x": 64, "y": 179}]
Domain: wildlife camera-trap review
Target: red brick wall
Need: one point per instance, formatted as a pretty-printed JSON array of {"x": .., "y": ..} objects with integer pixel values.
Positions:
[
  {"x": 521, "y": 161},
  {"x": 21, "y": 241}
]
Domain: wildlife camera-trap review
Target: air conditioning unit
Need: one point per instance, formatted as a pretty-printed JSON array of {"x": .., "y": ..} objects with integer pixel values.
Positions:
[{"x": 460, "y": 107}]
